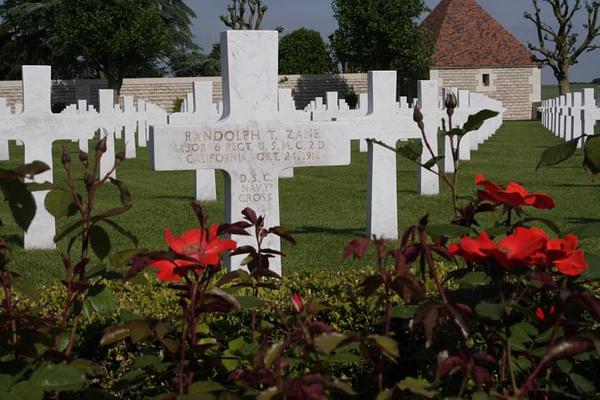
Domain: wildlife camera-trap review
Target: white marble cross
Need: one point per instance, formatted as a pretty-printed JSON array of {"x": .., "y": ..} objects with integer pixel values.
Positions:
[
  {"x": 252, "y": 142},
  {"x": 37, "y": 127},
  {"x": 590, "y": 112}
]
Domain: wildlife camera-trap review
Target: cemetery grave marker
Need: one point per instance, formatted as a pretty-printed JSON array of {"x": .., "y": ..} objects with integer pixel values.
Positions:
[
  {"x": 252, "y": 143},
  {"x": 37, "y": 127}
]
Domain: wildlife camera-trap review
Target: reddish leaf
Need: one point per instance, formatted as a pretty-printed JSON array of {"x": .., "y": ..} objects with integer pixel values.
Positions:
[
  {"x": 356, "y": 248},
  {"x": 243, "y": 250},
  {"x": 481, "y": 376},
  {"x": 282, "y": 233},
  {"x": 568, "y": 348},
  {"x": 371, "y": 284},
  {"x": 238, "y": 228},
  {"x": 449, "y": 365},
  {"x": 250, "y": 215}
]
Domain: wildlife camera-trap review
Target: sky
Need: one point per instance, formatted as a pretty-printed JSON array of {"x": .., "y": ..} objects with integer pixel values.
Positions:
[{"x": 317, "y": 14}]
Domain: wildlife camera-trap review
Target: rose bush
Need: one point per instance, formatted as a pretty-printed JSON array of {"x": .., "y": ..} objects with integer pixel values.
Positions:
[{"x": 459, "y": 310}]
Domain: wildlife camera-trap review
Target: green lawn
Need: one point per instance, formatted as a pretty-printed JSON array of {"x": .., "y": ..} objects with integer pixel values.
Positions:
[
  {"x": 325, "y": 207},
  {"x": 551, "y": 91}
]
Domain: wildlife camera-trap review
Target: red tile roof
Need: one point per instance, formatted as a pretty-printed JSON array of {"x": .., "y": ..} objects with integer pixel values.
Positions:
[{"x": 466, "y": 36}]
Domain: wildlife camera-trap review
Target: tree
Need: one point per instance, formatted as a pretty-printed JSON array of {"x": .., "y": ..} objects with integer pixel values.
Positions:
[
  {"x": 381, "y": 34},
  {"x": 194, "y": 63},
  {"x": 303, "y": 51},
  {"x": 30, "y": 34},
  {"x": 559, "y": 47},
  {"x": 596, "y": 81},
  {"x": 239, "y": 20},
  {"x": 96, "y": 34}
]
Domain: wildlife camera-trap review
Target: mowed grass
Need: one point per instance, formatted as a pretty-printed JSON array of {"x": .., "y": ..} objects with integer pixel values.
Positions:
[
  {"x": 324, "y": 207},
  {"x": 551, "y": 91}
]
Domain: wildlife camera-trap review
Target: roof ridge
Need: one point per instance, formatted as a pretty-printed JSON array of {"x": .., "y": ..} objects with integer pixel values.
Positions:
[{"x": 465, "y": 34}]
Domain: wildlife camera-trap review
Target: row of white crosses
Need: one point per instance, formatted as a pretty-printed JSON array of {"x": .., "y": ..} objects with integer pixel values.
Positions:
[
  {"x": 37, "y": 128},
  {"x": 571, "y": 115},
  {"x": 469, "y": 103},
  {"x": 254, "y": 141}
]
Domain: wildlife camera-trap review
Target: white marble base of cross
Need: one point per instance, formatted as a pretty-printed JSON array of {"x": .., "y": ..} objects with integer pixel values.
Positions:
[
  {"x": 252, "y": 143},
  {"x": 37, "y": 127}
]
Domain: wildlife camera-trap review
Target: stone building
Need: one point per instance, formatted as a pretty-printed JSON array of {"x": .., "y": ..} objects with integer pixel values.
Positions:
[{"x": 473, "y": 51}]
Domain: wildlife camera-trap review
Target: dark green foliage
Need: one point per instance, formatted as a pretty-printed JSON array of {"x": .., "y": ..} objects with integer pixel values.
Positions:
[
  {"x": 194, "y": 63},
  {"x": 381, "y": 35},
  {"x": 93, "y": 39},
  {"x": 303, "y": 51},
  {"x": 94, "y": 32}
]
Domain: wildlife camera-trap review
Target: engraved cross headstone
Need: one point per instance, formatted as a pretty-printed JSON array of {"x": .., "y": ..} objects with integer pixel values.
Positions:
[{"x": 252, "y": 143}]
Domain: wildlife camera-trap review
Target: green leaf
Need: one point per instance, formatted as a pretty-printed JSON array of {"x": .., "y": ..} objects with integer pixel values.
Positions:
[
  {"x": 114, "y": 334},
  {"x": 26, "y": 390},
  {"x": 60, "y": 204},
  {"x": 20, "y": 201},
  {"x": 31, "y": 169},
  {"x": 99, "y": 241},
  {"x": 419, "y": 387},
  {"x": 100, "y": 300},
  {"x": 250, "y": 302},
  {"x": 591, "y": 155},
  {"x": 582, "y": 384},
  {"x": 431, "y": 163},
  {"x": 404, "y": 311},
  {"x": 123, "y": 191},
  {"x": 411, "y": 150},
  {"x": 490, "y": 310},
  {"x": 388, "y": 345},
  {"x": 122, "y": 258},
  {"x": 450, "y": 230},
  {"x": 205, "y": 387},
  {"x": 476, "y": 121},
  {"x": 58, "y": 377},
  {"x": 328, "y": 342},
  {"x": 146, "y": 361},
  {"x": 474, "y": 279},
  {"x": 11, "y": 372},
  {"x": 557, "y": 154},
  {"x": 550, "y": 224}
]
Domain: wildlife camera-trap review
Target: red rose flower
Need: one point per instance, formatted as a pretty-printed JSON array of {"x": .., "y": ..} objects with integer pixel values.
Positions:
[
  {"x": 513, "y": 195},
  {"x": 474, "y": 250},
  {"x": 565, "y": 255},
  {"x": 297, "y": 302},
  {"x": 525, "y": 247},
  {"x": 204, "y": 247}
]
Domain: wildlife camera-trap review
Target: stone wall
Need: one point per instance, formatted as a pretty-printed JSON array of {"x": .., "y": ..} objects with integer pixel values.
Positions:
[
  {"x": 517, "y": 88},
  {"x": 164, "y": 91}
]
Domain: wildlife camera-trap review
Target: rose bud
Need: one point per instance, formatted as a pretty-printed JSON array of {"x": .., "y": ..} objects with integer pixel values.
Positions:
[
  {"x": 101, "y": 145},
  {"x": 120, "y": 155},
  {"x": 451, "y": 103},
  {"x": 83, "y": 156},
  {"x": 297, "y": 302},
  {"x": 418, "y": 117},
  {"x": 66, "y": 158}
]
